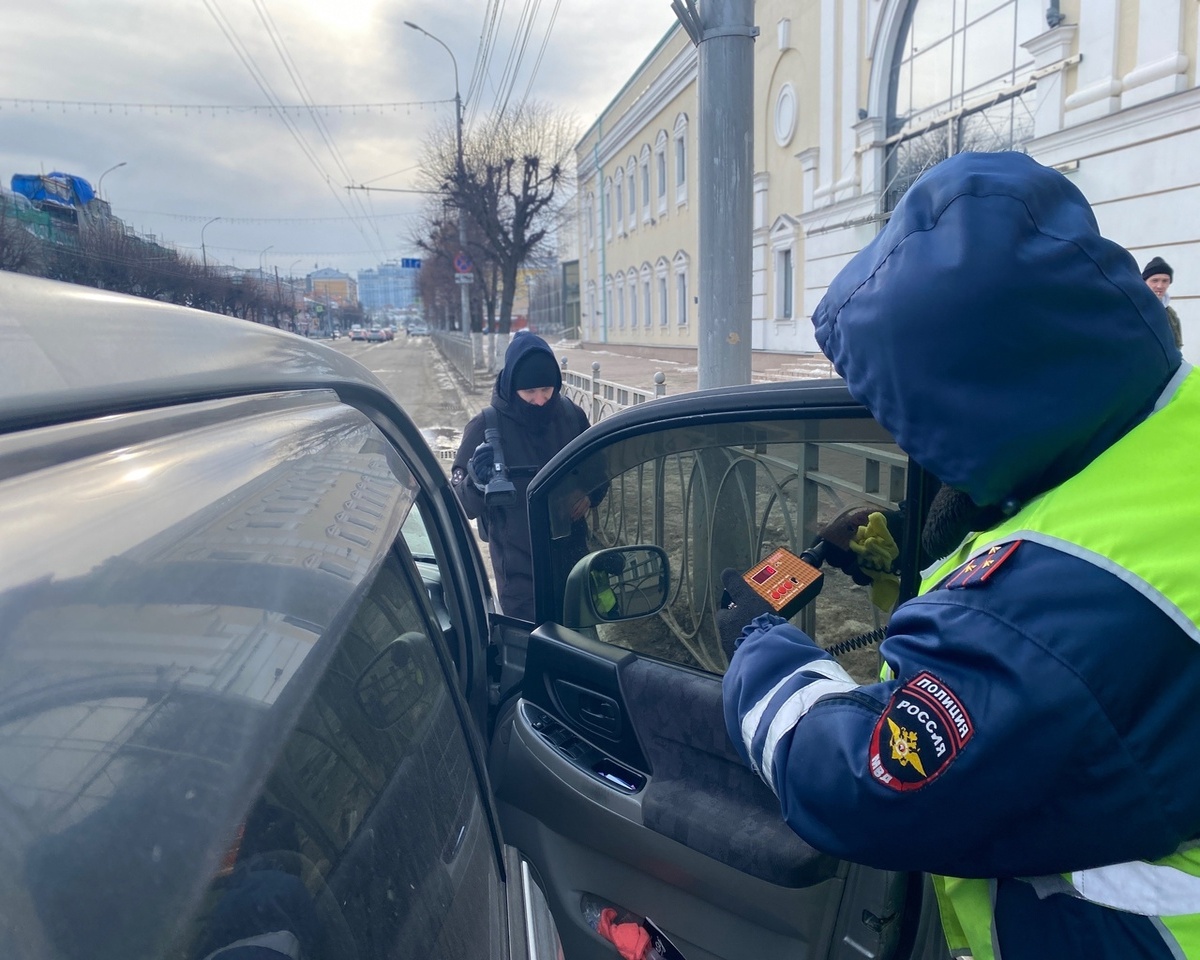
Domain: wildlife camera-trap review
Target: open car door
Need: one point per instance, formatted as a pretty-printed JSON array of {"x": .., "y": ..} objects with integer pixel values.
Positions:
[{"x": 610, "y": 761}]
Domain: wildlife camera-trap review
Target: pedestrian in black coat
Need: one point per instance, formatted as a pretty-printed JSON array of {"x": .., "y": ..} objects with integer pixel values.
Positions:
[{"x": 535, "y": 421}]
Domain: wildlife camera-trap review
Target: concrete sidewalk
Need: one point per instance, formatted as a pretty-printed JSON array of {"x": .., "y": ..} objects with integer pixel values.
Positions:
[{"x": 636, "y": 371}]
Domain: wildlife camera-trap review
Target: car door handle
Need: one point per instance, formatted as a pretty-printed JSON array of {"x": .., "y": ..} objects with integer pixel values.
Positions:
[
  {"x": 603, "y": 716},
  {"x": 592, "y": 711}
]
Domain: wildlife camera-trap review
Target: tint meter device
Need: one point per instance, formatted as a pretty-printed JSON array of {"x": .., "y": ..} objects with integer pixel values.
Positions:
[{"x": 785, "y": 582}]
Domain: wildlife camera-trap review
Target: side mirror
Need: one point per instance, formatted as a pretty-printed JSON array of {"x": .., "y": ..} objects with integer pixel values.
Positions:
[
  {"x": 394, "y": 682},
  {"x": 620, "y": 583}
]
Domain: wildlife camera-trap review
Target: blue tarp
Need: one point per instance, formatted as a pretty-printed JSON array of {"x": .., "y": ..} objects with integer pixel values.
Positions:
[{"x": 56, "y": 189}]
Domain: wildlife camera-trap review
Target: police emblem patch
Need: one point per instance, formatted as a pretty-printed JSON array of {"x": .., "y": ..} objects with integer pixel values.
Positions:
[{"x": 922, "y": 729}]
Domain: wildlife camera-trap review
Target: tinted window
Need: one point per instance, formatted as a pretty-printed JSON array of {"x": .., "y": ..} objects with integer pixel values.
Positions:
[
  {"x": 159, "y": 626},
  {"x": 371, "y": 834},
  {"x": 727, "y": 495}
]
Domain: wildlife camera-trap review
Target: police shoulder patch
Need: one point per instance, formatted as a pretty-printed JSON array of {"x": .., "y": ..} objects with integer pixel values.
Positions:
[
  {"x": 977, "y": 571},
  {"x": 921, "y": 731}
]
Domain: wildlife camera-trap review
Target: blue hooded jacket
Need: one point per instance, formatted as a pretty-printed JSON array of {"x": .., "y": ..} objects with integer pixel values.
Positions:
[
  {"x": 1004, "y": 343},
  {"x": 991, "y": 328}
]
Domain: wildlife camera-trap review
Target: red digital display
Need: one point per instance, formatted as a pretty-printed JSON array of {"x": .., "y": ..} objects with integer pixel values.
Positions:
[{"x": 765, "y": 574}]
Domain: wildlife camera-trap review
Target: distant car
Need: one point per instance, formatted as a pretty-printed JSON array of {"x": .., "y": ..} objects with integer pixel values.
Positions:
[
  {"x": 357, "y": 332},
  {"x": 418, "y": 328},
  {"x": 376, "y": 335}
]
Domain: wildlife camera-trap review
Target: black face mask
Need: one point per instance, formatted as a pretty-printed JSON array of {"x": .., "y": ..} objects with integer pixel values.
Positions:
[
  {"x": 531, "y": 414},
  {"x": 952, "y": 515}
]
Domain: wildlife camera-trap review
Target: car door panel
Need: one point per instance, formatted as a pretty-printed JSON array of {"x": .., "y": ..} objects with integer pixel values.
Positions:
[
  {"x": 555, "y": 813},
  {"x": 694, "y": 783},
  {"x": 579, "y": 679},
  {"x": 684, "y": 833}
]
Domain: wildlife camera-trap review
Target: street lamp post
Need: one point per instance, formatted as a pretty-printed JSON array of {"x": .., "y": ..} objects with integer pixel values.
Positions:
[
  {"x": 100, "y": 182},
  {"x": 465, "y": 296},
  {"x": 292, "y": 293},
  {"x": 203, "y": 250},
  {"x": 258, "y": 292}
]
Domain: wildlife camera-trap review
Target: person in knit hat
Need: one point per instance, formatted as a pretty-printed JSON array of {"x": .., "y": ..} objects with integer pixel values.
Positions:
[
  {"x": 1158, "y": 276},
  {"x": 535, "y": 421}
]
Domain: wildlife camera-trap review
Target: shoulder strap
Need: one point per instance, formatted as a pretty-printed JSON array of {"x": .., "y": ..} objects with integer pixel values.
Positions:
[{"x": 491, "y": 434}]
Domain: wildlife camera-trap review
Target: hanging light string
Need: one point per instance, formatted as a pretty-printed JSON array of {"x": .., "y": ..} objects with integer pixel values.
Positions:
[
  {"x": 212, "y": 109},
  {"x": 196, "y": 218}
]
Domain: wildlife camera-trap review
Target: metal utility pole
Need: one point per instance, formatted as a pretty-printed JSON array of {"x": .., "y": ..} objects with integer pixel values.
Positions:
[
  {"x": 203, "y": 249},
  {"x": 725, "y": 34},
  {"x": 465, "y": 292}
]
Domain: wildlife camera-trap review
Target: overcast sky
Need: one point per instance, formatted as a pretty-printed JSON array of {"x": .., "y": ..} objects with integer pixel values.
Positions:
[{"x": 88, "y": 85}]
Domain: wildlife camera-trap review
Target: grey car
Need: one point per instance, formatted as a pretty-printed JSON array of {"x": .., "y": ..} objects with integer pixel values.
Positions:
[{"x": 256, "y": 701}]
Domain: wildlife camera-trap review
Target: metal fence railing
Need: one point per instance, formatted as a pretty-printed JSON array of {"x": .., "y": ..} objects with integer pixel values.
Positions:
[
  {"x": 459, "y": 353},
  {"x": 602, "y": 398},
  {"x": 695, "y": 504}
]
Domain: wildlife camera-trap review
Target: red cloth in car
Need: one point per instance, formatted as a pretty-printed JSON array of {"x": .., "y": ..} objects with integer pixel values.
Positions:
[{"x": 631, "y": 939}]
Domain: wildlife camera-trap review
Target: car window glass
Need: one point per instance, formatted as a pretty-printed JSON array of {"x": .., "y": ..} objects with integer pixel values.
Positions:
[
  {"x": 370, "y": 839},
  {"x": 727, "y": 495}
]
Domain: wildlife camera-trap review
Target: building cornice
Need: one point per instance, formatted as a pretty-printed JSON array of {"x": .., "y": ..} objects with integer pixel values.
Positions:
[
  {"x": 665, "y": 87},
  {"x": 1114, "y": 131},
  {"x": 842, "y": 215}
]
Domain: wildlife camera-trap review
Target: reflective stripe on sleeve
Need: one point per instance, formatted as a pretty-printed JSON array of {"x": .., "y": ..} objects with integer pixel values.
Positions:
[
  {"x": 1151, "y": 889},
  {"x": 791, "y": 710}
]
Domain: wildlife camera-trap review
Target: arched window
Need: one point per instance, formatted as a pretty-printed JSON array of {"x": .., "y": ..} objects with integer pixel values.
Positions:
[
  {"x": 681, "y": 158},
  {"x": 647, "y": 298},
  {"x": 660, "y": 171},
  {"x": 618, "y": 210},
  {"x": 644, "y": 181},
  {"x": 682, "y": 293},
  {"x": 631, "y": 280},
  {"x": 631, "y": 181},
  {"x": 606, "y": 212},
  {"x": 960, "y": 80},
  {"x": 664, "y": 301}
]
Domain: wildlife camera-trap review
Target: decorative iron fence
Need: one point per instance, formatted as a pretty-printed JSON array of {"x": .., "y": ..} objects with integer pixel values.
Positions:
[
  {"x": 708, "y": 507},
  {"x": 602, "y": 398}
]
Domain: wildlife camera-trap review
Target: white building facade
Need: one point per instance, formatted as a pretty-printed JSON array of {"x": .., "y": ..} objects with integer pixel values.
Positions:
[{"x": 853, "y": 100}]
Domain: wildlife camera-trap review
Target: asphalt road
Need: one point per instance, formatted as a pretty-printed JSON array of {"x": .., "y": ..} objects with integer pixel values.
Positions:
[{"x": 418, "y": 377}]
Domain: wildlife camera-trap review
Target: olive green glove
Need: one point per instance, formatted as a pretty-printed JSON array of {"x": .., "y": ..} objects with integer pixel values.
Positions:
[
  {"x": 860, "y": 543},
  {"x": 876, "y": 552}
]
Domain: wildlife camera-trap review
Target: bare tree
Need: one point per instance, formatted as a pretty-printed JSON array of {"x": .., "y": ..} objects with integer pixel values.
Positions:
[{"x": 511, "y": 184}]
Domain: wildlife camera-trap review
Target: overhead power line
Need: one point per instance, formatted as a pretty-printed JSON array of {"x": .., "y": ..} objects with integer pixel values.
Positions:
[
  {"x": 391, "y": 248},
  {"x": 188, "y": 109},
  {"x": 542, "y": 52},
  {"x": 487, "y": 46},
  {"x": 516, "y": 54},
  {"x": 264, "y": 84},
  {"x": 196, "y": 218}
]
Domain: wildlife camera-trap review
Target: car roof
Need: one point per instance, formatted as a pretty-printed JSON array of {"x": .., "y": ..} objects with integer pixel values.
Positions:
[{"x": 69, "y": 351}]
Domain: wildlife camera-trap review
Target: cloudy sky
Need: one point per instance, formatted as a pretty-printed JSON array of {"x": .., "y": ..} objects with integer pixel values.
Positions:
[{"x": 180, "y": 93}]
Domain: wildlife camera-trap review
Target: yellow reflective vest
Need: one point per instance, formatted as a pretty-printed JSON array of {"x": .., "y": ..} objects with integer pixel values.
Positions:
[{"x": 1123, "y": 535}]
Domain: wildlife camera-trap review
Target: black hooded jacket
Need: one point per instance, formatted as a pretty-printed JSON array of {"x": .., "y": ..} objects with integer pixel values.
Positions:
[{"x": 530, "y": 437}]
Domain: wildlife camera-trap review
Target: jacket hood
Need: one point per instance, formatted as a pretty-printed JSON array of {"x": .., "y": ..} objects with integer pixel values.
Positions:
[
  {"x": 994, "y": 332},
  {"x": 520, "y": 347}
]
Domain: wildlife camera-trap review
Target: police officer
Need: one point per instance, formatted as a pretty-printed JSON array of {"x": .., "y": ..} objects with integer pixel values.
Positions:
[{"x": 1035, "y": 741}]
